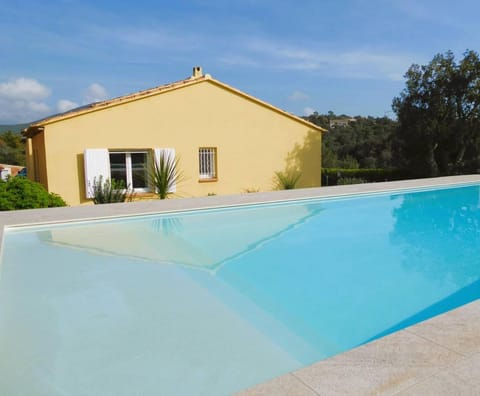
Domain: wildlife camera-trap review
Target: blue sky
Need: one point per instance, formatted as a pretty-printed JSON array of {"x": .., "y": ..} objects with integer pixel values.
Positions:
[{"x": 347, "y": 56}]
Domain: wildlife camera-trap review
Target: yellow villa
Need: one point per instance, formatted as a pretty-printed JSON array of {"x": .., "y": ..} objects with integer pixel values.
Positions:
[{"x": 227, "y": 142}]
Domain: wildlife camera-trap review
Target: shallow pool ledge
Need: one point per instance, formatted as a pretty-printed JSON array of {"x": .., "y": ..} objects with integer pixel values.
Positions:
[{"x": 440, "y": 356}]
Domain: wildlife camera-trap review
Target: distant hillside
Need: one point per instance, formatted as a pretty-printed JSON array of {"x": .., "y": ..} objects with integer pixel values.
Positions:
[{"x": 17, "y": 128}]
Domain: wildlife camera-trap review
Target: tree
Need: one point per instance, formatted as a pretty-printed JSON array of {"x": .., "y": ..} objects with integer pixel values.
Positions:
[
  {"x": 22, "y": 193},
  {"x": 12, "y": 149},
  {"x": 366, "y": 142},
  {"x": 439, "y": 116}
]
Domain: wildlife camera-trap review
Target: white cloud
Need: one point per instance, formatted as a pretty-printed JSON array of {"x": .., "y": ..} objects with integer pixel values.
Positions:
[
  {"x": 22, "y": 100},
  {"x": 308, "y": 110},
  {"x": 427, "y": 11},
  {"x": 158, "y": 37},
  {"x": 237, "y": 60},
  {"x": 65, "y": 105},
  {"x": 95, "y": 93},
  {"x": 146, "y": 37},
  {"x": 23, "y": 89},
  {"x": 35, "y": 107},
  {"x": 363, "y": 63},
  {"x": 298, "y": 96}
]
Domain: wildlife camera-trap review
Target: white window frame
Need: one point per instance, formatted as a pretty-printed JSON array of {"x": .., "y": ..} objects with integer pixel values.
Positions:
[
  {"x": 207, "y": 163},
  {"x": 128, "y": 166},
  {"x": 97, "y": 164}
]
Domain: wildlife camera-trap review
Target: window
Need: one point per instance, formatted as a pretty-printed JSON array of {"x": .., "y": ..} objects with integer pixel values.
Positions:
[
  {"x": 207, "y": 160},
  {"x": 131, "y": 167}
]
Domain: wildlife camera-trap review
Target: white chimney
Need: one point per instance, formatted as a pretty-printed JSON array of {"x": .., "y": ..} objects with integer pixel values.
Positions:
[{"x": 197, "y": 72}]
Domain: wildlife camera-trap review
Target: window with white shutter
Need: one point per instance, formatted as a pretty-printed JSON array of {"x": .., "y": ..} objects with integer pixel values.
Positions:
[{"x": 129, "y": 166}]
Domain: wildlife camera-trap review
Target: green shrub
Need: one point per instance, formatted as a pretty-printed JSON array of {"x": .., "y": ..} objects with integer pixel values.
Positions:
[
  {"x": 110, "y": 191},
  {"x": 349, "y": 180},
  {"x": 331, "y": 176},
  {"x": 22, "y": 193},
  {"x": 287, "y": 181}
]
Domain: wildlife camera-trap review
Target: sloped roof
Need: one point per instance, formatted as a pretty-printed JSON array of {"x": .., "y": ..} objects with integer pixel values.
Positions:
[{"x": 36, "y": 126}]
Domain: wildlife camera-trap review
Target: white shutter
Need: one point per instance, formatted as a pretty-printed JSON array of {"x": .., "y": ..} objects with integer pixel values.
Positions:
[
  {"x": 97, "y": 163},
  {"x": 169, "y": 154}
]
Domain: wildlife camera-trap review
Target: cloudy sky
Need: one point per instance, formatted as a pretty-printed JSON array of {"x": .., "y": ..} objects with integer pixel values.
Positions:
[{"x": 347, "y": 56}]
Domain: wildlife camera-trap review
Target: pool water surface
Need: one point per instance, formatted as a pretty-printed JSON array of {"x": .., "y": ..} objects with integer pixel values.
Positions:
[{"x": 213, "y": 301}]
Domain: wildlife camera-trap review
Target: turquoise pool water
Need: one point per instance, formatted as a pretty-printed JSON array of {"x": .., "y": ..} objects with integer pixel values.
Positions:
[{"x": 213, "y": 301}]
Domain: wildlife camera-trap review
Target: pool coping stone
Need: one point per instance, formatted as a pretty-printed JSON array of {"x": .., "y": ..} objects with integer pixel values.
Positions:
[{"x": 440, "y": 356}]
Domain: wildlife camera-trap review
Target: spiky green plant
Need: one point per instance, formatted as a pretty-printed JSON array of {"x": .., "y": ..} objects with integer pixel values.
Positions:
[
  {"x": 165, "y": 174},
  {"x": 110, "y": 191},
  {"x": 287, "y": 180}
]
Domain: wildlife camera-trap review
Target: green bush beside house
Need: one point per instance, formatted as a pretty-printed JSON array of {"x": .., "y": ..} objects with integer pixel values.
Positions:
[
  {"x": 22, "y": 193},
  {"x": 332, "y": 176}
]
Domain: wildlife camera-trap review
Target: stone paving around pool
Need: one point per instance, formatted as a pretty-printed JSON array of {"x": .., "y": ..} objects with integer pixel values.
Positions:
[{"x": 440, "y": 356}]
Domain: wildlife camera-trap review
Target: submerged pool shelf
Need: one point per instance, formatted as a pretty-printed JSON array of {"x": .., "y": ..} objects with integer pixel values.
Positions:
[{"x": 112, "y": 303}]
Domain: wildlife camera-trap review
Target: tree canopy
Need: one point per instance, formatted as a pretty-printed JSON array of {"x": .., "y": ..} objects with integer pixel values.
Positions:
[
  {"x": 12, "y": 149},
  {"x": 439, "y": 116},
  {"x": 365, "y": 142}
]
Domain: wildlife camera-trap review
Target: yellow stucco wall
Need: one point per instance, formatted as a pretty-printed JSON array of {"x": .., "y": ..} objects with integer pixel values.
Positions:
[
  {"x": 252, "y": 140},
  {"x": 36, "y": 159}
]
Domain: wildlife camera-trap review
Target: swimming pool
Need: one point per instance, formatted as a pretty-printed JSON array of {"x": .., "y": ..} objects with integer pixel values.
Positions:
[{"x": 218, "y": 300}]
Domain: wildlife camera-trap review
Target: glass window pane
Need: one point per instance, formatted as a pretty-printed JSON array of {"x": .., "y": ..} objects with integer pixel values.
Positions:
[
  {"x": 139, "y": 170},
  {"x": 118, "y": 168}
]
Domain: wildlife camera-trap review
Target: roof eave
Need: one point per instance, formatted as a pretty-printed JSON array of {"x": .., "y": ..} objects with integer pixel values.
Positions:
[
  {"x": 120, "y": 100},
  {"x": 32, "y": 130},
  {"x": 37, "y": 127},
  {"x": 267, "y": 105}
]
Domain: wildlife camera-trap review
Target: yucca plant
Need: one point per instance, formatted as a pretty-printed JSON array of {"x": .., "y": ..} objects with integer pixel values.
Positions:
[
  {"x": 165, "y": 174},
  {"x": 287, "y": 181},
  {"x": 110, "y": 191}
]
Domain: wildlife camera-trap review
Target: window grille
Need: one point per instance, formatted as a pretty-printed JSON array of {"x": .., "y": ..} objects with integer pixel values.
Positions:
[{"x": 207, "y": 162}]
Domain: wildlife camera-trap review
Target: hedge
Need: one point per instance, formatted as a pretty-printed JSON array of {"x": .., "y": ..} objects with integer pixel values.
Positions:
[
  {"x": 331, "y": 176},
  {"x": 22, "y": 193}
]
